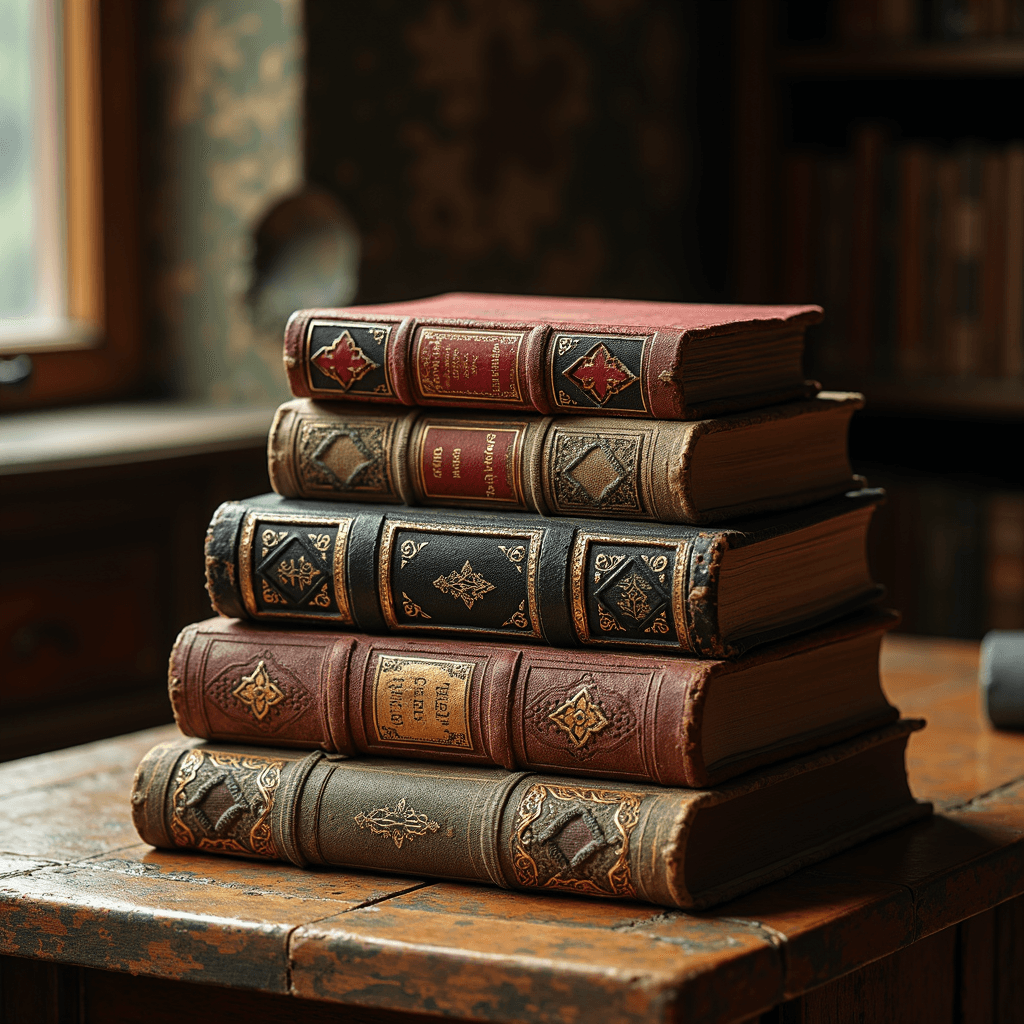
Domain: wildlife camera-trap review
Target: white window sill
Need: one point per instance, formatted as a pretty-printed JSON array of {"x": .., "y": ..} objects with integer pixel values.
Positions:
[
  {"x": 28, "y": 335},
  {"x": 107, "y": 435}
]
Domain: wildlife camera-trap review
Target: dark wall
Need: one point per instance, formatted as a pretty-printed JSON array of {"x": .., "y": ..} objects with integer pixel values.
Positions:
[{"x": 525, "y": 146}]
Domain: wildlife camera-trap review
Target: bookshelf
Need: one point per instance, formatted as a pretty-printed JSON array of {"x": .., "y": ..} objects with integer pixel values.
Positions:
[
  {"x": 989, "y": 58},
  {"x": 947, "y": 442}
]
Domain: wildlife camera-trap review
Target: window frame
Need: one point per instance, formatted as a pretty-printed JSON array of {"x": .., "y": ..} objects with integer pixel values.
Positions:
[{"x": 100, "y": 355}]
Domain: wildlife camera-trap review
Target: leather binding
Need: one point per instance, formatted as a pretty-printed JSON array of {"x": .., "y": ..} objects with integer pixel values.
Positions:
[
  {"x": 537, "y": 354},
  {"x": 516, "y": 706},
  {"x": 627, "y": 469},
  {"x": 516, "y": 829},
  {"x": 566, "y": 582}
]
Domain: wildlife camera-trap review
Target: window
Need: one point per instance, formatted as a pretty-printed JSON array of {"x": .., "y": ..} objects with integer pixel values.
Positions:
[{"x": 69, "y": 187}]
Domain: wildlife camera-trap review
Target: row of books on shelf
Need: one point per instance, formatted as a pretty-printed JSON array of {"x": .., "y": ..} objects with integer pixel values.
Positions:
[
  {"x": 665, "y": 687},
  {"x": 917, "y": 252},
  {"x": 951, "y": 554},
  {"x": 906, "y": 21}
]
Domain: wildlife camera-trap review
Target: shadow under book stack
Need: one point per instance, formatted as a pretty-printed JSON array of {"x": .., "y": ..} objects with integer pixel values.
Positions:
[{"x": 554, "y": 594}]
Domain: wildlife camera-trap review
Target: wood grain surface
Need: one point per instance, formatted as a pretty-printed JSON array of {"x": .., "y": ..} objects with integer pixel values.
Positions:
[{"x": 77, "y": 888}]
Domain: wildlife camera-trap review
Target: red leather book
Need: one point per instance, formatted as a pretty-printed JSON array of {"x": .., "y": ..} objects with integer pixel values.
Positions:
[
  {"x": 649, "y": 718},
  {"x": 661, "y": 360}
]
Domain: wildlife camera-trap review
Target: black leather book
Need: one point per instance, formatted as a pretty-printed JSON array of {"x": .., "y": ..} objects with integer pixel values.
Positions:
[{"x": 566, "y": 582}]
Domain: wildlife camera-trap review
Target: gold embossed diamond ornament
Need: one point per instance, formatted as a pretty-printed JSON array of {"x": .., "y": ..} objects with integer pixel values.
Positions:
[
  {"x": 258, "y": 692},
  {"x": 600, "y": 374},
  {"x": 581, "y": 717},
  {"x": 343, "y": 361},
  {"x": 633, "y": 590}
]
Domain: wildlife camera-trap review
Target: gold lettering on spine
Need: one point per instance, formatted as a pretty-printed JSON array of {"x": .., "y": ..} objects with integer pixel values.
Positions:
[
  {"x": 451, "y": 372},
  {"x": 422, "y": 700},
  {"x": 429, "y": 460}
]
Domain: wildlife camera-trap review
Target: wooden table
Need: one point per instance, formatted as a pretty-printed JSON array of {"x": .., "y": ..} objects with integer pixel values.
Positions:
[{"x": 116, "y": 931}]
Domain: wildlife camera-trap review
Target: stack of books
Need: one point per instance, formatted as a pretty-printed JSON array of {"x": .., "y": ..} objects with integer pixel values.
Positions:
[{"x": 554, "y": 594}]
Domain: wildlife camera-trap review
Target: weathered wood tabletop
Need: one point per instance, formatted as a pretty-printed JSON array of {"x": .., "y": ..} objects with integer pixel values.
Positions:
[{"x": 78, "y": 888}]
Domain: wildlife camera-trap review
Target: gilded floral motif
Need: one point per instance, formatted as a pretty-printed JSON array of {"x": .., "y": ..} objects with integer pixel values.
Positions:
[
  {"x": 465, "y": 585},
  {"x": 399, "y": 823},
  {"x": 259, "y": 692}
]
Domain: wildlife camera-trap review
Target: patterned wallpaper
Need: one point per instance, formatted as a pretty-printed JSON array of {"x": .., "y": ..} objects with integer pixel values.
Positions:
[
  {"x": 519, "y": 145},
  {"x": 227, "y": 108}
]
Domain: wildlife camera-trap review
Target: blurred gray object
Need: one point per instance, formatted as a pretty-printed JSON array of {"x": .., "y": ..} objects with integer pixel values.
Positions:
[
  {"x": 306, "y": 255},
  {"x": 1001, "y": 677}
]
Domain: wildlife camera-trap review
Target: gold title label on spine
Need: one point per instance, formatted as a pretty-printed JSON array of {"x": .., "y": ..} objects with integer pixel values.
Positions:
[
  {"x": 420, "y": 700},
  {"x": 476, "y": 366}
]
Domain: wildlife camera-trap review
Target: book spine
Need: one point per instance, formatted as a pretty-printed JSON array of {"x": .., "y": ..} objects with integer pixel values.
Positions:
[
  {"x": 511, "y": 829},
  {"x": 566, "y": 465},
  {"x": 835, "y": 266},
  {"x": 993, "y": 260},
  {"x": 1011, "y": 356},
  {"x": 964, "y": 341},
  {"x": 884, "y": 358},
  {"x": 1004, "y": 578},
  {"x": 868, "y": 146},
  {"x": 526, "y": 367},
  {"x": 799, "y": 196},
  {"x": 944, "y": 279},
  {"x": 553, "y": 580},
  {"x": 914, "y": 164},
  {"x": 506, "y": 705},
  {"x": 472, "y": 824}
]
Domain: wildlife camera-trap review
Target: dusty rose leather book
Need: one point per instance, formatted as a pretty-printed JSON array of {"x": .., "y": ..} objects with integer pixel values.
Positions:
[
  {"x": 522, "y": 353},
  {"x": 675, "y": 721},
  {"x": 552, "y": 833},
  {"x": 670, "y": 472}
]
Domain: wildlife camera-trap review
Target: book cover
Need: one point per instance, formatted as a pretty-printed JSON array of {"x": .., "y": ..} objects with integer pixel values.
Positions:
[
  {"x": 659, "y": 360},
  {"x": 675, "y": 721},
  {"x": 671, "y": 472},
  {"x": 713, "y": 592},
  {"x": 519, "y": 830}
]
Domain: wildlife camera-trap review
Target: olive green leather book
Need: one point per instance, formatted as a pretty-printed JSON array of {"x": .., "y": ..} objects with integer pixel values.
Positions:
[{"x": 674, "y": 847}]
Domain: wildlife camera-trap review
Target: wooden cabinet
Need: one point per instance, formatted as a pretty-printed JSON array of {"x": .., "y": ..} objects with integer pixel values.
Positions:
[{"x": 102, "y": 565}]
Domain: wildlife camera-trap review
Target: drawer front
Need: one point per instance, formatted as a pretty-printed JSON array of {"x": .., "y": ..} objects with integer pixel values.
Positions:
[{"x": 80, "y": 624}]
